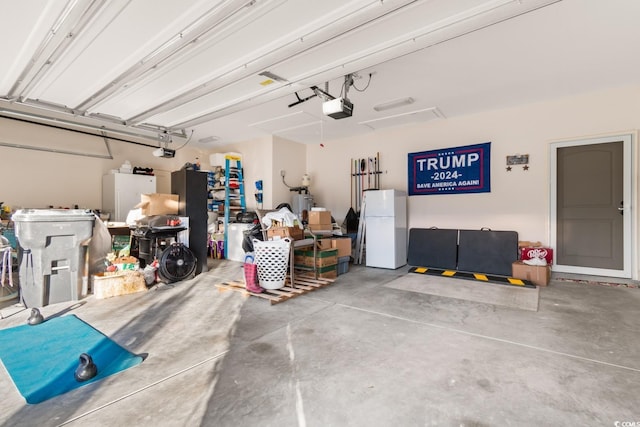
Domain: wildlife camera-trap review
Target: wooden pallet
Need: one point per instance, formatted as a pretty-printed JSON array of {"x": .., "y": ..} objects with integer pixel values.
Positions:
[{"x": 303, "y": 284}]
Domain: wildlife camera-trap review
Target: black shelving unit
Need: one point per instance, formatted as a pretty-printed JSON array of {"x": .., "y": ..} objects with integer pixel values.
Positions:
[{"x": 191, "y": 187}]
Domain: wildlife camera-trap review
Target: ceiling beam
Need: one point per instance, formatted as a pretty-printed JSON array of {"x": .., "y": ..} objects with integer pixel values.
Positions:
[
  {"x": 72, "y": 21},
  {"x": 340, "y": 22},
  {"x": 39, "y": 112},
  {"x": 492, "y": 12},
  {"x": 196, "y": 32}
]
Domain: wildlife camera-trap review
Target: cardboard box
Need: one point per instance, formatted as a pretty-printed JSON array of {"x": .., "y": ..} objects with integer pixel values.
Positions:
[
  {"x": 329, "y": 272},
  {"x": 107, "y": 285},
  {"x": 277, "y": 233},
  {"x": 537, "y": 274},
  {"x": 343, "y": 245},
  {"x": 537, "y": 252},
  {"x": 158, "y": 204},
  {"x": 321, "y": 262},
  {"x": 324, "y": 244},
  {"x": 323, "y": 258},
  {"x": 320, "y": 217},
  {"x": 320, "y": 227}
]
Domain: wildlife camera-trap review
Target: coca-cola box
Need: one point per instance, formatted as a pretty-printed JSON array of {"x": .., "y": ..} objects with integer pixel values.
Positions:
[{"x": 537, "y": 252}]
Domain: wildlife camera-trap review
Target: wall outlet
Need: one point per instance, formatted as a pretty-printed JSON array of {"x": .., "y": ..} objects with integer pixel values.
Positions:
[{"x": 282, "y": 173}]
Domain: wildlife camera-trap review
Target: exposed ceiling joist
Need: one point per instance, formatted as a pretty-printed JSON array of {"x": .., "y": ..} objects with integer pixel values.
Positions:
[
  {"x": 149, "y": 66},
  {"x": 200, "y": 31},
  {"x": 75, "y": 16}
]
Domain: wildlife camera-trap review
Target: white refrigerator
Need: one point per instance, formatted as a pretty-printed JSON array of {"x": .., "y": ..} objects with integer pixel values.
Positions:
[
  {"x": 122, "y": 191},
  {"x": 385, "y": 216}
]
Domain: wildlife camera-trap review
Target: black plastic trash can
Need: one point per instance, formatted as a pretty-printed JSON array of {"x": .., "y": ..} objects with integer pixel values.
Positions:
[{"x": 53, "y": 254}]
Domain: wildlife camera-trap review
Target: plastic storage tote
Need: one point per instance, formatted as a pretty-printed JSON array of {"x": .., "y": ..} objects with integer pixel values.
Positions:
[
  {"x": 53, "y": 247},
  {"x": 343, "y": 264}
]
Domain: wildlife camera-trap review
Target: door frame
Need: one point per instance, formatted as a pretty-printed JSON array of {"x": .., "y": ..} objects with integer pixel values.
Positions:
[{"x": 628, "y": 139}]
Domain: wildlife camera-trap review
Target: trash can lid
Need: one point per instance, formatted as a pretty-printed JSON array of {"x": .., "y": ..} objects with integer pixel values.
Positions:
[{"x": 56, "y": 215}]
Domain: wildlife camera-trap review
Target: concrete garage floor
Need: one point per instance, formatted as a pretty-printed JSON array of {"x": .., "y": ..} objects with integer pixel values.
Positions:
[{"x": 352, "y": 354}]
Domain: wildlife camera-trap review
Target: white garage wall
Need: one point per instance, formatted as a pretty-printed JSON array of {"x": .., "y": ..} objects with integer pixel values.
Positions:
[
  {"x": 290, "y": 157},
  {"x": 257, "y": 158},
  {"x": 263, "y": 159},
  {"x": 39, "y": 179},
  {"x": 519, "y": 200}
]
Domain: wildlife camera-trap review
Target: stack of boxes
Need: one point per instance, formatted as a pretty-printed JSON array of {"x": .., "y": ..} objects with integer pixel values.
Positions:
[
  {"x": 326, "y": 261},
  {"x": 332, "y": 254},
  {"x": 537, "y": 272},
  {"x": 343, "y": 245}
]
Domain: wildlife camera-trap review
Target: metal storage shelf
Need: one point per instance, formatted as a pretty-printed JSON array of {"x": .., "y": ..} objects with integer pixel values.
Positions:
[{"x": 233, "y": 195}]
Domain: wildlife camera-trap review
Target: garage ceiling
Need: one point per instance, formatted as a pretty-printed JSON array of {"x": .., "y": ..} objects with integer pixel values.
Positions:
[{"x": 213, "y": 73}]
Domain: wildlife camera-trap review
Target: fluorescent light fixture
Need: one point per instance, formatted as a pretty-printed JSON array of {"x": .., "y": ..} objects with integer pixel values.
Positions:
[
  {"x": 208, "y": 139},
  {"x": 393, "y": 104},
  {"x": 272, "y": 76},
  {"x": 404, "y": 118}
]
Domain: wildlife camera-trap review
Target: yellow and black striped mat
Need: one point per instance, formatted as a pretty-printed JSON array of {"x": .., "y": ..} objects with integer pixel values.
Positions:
[{"x": 480, "y": 277}]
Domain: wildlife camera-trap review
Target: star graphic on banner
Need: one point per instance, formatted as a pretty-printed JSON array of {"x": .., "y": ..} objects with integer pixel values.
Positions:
[
  {"x": 508, "y": 168},
  {"x": 525, "y": 167}
]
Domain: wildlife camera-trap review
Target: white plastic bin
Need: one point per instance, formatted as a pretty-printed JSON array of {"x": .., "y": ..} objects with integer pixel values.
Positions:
[{"x": 272, "y": 258}]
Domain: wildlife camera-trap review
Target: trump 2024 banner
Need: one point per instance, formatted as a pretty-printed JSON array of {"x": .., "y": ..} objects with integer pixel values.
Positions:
[{"x": 455, "y": 170}]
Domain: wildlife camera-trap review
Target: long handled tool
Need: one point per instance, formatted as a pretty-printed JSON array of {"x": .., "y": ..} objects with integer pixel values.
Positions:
[
  {"x": 375, "y": 173},
  {"x": 351, "y": 181},
  {"x": 378, "y": 172},
  {"x": 356, "y": 177},
  {"x": 363, "y": 166}
]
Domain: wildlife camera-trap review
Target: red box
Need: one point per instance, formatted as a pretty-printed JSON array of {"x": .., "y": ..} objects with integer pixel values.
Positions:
[{"x": 539, "y": 252}]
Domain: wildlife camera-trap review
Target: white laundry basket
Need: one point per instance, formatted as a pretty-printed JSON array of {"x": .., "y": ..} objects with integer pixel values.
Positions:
[{"x": 272, "y": 258}]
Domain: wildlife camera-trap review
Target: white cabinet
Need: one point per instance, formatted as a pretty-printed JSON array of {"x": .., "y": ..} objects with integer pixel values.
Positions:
[{"x": 122, "y": 191}]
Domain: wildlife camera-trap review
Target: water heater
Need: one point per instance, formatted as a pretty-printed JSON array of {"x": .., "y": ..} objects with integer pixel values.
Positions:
[{"x": 300, "y": 203}]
